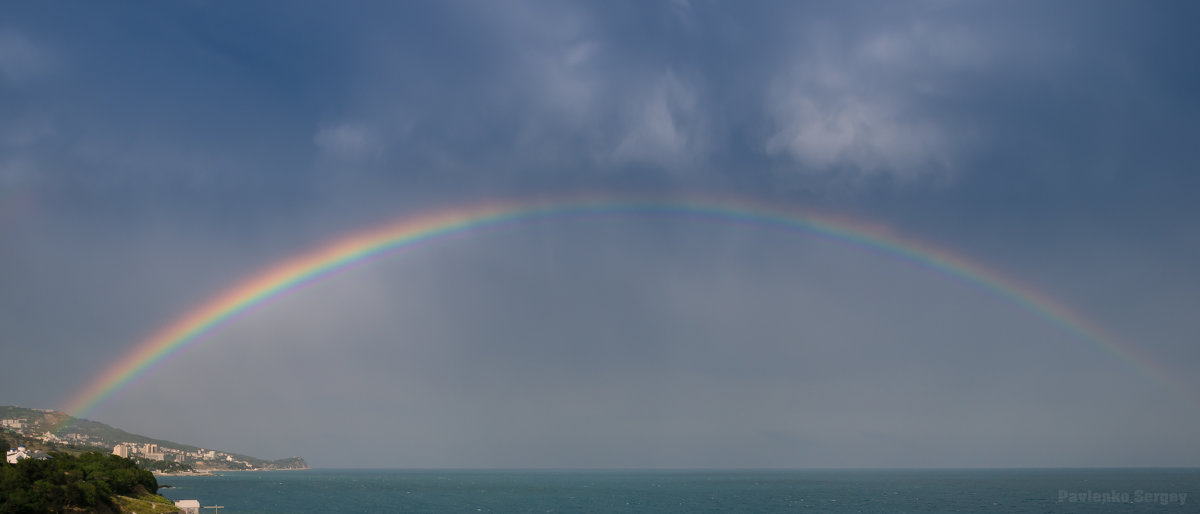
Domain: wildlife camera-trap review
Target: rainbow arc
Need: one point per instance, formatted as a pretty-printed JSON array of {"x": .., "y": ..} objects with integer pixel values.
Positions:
[{"x": 427, "y": 227}]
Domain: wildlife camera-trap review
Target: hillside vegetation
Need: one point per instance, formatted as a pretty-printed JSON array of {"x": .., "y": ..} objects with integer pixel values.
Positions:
[
  {"x": 91, "y": 481},
  {"x": 49, "y": 430}
]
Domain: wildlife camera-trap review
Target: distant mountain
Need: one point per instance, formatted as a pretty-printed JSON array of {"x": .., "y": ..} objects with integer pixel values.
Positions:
[{"x": 55, "y": 428}]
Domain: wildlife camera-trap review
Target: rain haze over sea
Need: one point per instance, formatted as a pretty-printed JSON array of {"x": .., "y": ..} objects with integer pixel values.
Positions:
[
  {"x": 634, "y": 235},
  {"x": 883, "y": 491}
]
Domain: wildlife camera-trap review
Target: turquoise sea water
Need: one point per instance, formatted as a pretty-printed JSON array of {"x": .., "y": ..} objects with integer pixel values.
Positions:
[{"x": 1016, "y": 491}]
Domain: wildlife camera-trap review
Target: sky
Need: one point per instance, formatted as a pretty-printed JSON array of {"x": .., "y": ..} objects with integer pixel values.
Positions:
[{"x": 155, "y": 155}]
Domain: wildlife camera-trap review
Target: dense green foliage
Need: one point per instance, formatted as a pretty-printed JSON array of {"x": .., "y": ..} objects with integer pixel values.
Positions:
[
  {"x": 161, "y": 465},
  {"x": 87, "y": 481}
]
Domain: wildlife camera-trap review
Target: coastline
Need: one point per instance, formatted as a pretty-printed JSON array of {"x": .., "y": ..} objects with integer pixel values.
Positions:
[
  {"x": 214, "y": 472},
  {"x": 184, "y": 474}
]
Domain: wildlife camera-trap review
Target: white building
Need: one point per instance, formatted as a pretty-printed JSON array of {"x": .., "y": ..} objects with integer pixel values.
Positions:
[
  {"x": 15, "y": 424},
  {"x": 17, "y": 454},
  {"x": 121, "y": 450},
  {"x": 188, "y": 506}
]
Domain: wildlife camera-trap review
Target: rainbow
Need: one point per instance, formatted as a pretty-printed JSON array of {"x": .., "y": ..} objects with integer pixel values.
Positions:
[{"x": 411, "y": 231}]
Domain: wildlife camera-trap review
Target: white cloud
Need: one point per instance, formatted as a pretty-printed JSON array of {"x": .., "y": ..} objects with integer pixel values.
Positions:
[
  {"x": 864, "y": 107},
  {"x": 867, "y": 134},
  {"x": 17, "y": 172},
  {"x": 20, "y": 59},
  {"x": 664, "y": 126},
  {"x": 19, "y": 167},
  {"x": 566, "y": 81},
  {"x": 26, "y": 131},
  {"x": 349, "y": 140},
  {"x": 586, "y": 100},
  {"x": 922, "y": 43},
  {"x": 580, "y": 53}
]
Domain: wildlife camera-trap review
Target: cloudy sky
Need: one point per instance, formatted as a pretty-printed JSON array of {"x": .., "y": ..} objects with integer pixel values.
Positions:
[{"x": 153, "y": 155}]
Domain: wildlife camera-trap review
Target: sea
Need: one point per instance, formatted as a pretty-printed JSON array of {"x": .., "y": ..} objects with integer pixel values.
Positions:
[{"x": 590, "y": 491}]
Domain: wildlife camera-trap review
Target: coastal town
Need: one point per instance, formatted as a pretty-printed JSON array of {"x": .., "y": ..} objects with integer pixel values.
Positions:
[
  {"x": 199, "y": 459},
  {"x": 74, "y": 443},
  {"x": 50, "y": 430}
]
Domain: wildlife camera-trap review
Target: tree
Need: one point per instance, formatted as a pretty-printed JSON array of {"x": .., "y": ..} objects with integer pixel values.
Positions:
[{"x": 63, "y": 482}]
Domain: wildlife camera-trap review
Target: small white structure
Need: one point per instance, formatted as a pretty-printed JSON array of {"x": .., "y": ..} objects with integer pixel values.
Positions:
[
  {"x": 188, "y": 506},
  {"x": 17, "y": 424},
  {"x": 17, "y": 454}
]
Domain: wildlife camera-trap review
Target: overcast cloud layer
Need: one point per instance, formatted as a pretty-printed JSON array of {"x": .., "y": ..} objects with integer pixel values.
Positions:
[{"x": 153, "y": 155}]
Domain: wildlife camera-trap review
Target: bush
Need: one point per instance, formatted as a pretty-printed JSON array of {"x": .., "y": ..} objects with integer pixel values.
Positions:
[{"x": 64, "y": 481}]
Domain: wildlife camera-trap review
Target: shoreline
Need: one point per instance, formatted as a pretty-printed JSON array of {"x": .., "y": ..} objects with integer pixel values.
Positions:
[
  {"x": 214, "y": 472},
  {"x": 203, "y": 473}
]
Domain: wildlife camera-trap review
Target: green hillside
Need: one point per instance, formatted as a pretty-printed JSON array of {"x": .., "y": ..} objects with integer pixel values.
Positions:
[{"x": 89, "y": 482}]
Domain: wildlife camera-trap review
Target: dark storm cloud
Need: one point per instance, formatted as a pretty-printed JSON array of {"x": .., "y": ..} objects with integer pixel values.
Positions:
[
  {"x": 152, "y": 155},
  {"x": 214, "y": 101}
]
